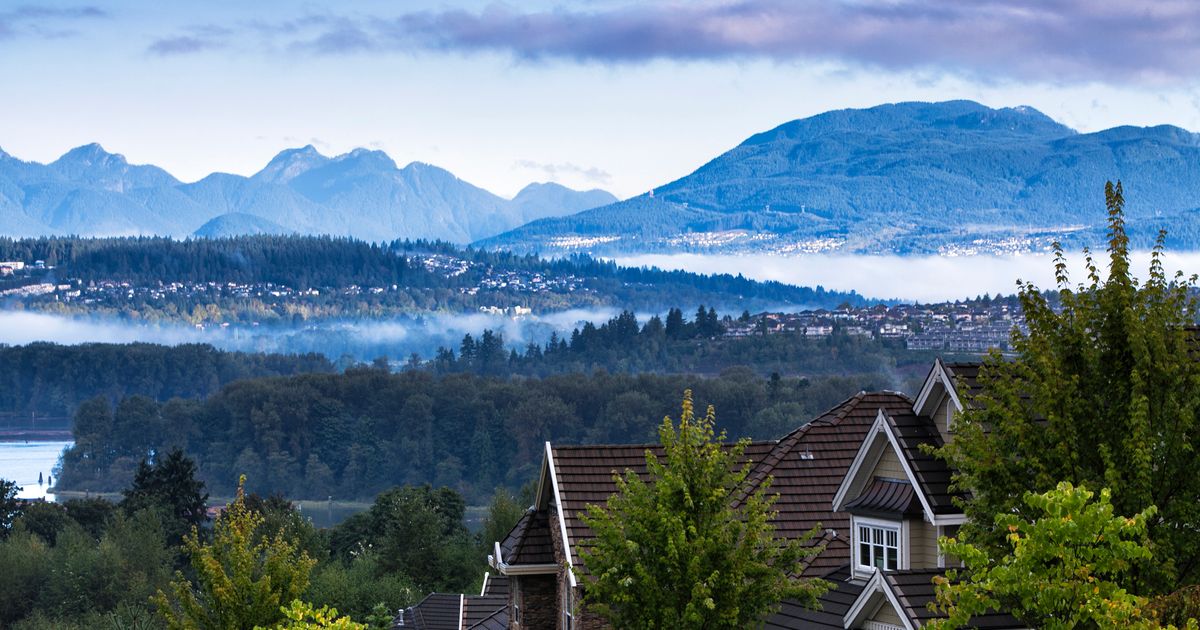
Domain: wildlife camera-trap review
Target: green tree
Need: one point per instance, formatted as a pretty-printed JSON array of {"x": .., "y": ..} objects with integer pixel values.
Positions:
[
  {"x": 1104, "y": 391},
  {"x": 1062, "y": 569},
  {"x": 302, "y": 616},
  {"x": 10, "y": 507},
  {"x": 169, "y": 485},
  {"x": 242, "y": 580},
  {"x": 683, "y": 548},
  {"x": 503, "y": 513}
]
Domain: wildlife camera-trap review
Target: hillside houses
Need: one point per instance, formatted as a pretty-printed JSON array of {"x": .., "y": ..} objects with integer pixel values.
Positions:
[
  {"x": 858, "y": 473},
  {"x": 968, "y": 327}
]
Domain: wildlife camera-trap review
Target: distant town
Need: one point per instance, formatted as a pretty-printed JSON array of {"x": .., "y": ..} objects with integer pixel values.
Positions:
[{"x": 970, "y": 326}]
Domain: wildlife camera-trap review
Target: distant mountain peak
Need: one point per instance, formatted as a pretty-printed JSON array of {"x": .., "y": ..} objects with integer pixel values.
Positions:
[
  {"x": 291, "y": 163},
  {"x": 90, "y": 154},
  {"x": 373, "y": 157}
]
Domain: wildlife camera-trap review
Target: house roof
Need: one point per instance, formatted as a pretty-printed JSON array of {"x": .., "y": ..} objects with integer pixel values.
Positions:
[
  {"x": 932, "y": 474},
  {"x": 915, "y": 590},
  {"x": 495, "y": 585},
  {"x": 495, "y": 621},
  {"x": 438, "y": 611},
  {"x": 477, "y": 608},
  {"x": 529, "y": 542},
  {"x": 445, "y": 611},
  {"x": 966, "y": 380},
  {"x": 807, "y": 467},
  {"x": 886, "y": 497},
  {"x": 833, "y": 605}
]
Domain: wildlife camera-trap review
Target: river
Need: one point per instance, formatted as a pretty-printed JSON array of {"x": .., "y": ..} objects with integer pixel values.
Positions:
[{"x": 22, "y": 461}]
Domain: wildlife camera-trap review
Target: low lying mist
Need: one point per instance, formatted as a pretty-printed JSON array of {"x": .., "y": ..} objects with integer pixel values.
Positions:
[
  {"x": 905, "y": 278},
  {"x": 362, "y": 340}
]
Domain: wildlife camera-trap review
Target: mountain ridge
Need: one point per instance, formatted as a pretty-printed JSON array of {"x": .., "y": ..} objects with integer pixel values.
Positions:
[
  {"x": 949, "y": 177},
  {"x": 362, "y": 193}
]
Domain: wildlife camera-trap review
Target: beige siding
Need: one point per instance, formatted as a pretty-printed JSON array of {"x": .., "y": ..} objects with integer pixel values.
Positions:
[
  {"x": 887, "y": 614},
  {"x": 922, "y": 540},
  {"x": 889, "y": 466},
  {"x": 943, "y": 417}
]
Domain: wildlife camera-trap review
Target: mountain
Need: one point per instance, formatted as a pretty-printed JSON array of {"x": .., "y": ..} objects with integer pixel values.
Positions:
[
  {"x": 539, "y": 201},
  {"x": 237, "y": 223},
  {"x": 910, "y": 177},
  {"x": 364, "y": 194}
]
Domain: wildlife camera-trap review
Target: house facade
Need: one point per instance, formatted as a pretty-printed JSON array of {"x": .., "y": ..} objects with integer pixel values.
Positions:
[{"x": 858, "y": 472}]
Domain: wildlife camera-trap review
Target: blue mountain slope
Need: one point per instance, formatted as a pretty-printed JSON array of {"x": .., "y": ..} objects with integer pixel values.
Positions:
[
  {"x": 238, "y": 224},
  {"x": 904, "y": 177},
  {"x": 89, "y": 191}
]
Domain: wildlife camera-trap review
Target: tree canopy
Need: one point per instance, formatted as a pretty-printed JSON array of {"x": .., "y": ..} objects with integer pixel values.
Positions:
[
  {"x": 1063, "y": 569},
  {"x": 682, "y": 549},
  {"x": 1104, "y": 392}
]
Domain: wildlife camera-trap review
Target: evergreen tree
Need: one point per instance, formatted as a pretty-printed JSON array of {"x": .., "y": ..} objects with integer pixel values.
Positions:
[
  {"x": 681, "y": 549},
  {"x": 675, "y": 324},
  {"x": 170, "y": 487},
  {"x": 10, "y": 507}
]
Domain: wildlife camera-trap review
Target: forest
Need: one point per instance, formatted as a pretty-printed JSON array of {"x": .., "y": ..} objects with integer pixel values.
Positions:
[
  {"x": 43, "y": 382},
  {"x": 94, "y": 564},
  {"x": 354, "y": 434},
  {"x": 48, "y": 381},
  {"x": 678, "y": 346}
]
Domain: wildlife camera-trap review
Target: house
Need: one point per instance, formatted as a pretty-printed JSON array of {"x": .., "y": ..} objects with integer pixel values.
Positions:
[
  {"x": 444, "y": 611},
  {"x": 859, "y": 472}
]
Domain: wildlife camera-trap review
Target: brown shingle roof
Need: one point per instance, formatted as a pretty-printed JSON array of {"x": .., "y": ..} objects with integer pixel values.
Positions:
[
  {"x": 528, "y": 542},
  {"x": 438, "y": 611},
  {"x": 966, "y": 380},
  {"x": 833, "y": 605},
  {"x": 495, "y": 621},
  {"x": 477, "y": 608},
  {"x": 807, "y": 467},
  {"x": 933, "y": 475},
  {"x": 915, "y": 590}
]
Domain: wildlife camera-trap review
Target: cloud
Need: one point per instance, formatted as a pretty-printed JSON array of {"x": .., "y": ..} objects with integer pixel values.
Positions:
[
  {"x": 197, "y": 39},
  {"x": 921, "y": 278},
  {"x": 181, "y": 45},
  {"x": 1053, "y": 40},
  {"x": 566, "y": 169},
  {"x": 45, "y": 21}
]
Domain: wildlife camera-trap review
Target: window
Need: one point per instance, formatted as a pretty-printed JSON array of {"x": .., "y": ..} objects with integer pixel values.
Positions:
[{"x": 878, "y": 547}]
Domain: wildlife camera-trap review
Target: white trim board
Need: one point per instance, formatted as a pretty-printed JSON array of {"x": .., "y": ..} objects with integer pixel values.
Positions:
[
  {"x": 562, "y": 521},
  {"x": 858, "y": 612}
]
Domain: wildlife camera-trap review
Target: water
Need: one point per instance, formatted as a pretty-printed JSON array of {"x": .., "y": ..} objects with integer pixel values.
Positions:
[{"x": 22, "y": 461}]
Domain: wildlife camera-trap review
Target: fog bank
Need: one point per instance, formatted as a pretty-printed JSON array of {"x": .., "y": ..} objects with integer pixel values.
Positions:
[{"x": 907, "y": 278}]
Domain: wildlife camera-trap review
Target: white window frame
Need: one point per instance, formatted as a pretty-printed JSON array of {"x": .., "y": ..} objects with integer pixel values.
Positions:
[{"x": 884, "y": 528}]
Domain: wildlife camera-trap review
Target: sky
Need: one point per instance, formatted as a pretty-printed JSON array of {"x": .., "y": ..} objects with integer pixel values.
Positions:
[{"x": 623, "y": 96}]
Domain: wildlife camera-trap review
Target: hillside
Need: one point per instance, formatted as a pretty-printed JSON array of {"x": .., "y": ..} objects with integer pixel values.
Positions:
[
  {"x": 952, "y": 177},
  {"x": 362, "y": 194}
]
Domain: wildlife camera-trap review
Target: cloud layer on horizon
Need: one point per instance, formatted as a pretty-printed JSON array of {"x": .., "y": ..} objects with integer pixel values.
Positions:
[{"x": 1045, "y": 40}]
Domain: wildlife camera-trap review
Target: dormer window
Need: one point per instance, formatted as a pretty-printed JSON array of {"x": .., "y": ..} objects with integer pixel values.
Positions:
[{"x": 878, "y": 546}]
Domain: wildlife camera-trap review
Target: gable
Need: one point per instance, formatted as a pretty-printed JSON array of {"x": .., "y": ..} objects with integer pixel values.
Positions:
[{"x": 893, "y": 449}]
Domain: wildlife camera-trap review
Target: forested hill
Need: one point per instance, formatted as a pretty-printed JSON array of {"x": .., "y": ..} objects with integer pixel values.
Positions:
[
  {"x": 345, "y": 277},
  {"x": 352, "y": 435},
  {"x": 43, "y": 383},
  {"x": 908, "y": 177}
]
